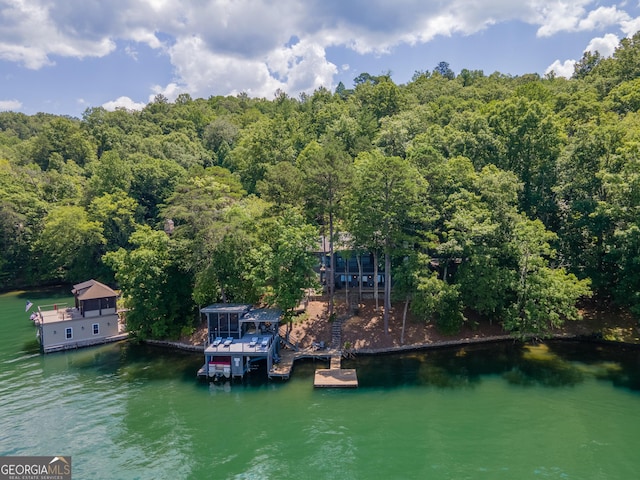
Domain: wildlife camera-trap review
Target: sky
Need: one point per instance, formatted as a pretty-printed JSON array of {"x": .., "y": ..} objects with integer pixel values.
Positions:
[{"x": 64, "y": 56}]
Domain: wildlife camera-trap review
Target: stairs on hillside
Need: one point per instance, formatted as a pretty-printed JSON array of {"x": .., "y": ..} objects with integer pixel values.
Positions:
[{"x": 336, "y": 332}]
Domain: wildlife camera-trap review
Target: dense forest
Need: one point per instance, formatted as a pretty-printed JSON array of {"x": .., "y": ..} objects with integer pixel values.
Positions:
[{"x": 510, "y": 197}]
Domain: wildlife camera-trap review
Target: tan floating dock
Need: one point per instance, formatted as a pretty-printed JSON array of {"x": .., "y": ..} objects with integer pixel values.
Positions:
[{"x": 335, "y": 377}]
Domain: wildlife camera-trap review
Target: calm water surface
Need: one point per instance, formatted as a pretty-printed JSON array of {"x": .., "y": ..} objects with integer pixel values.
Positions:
[{"x": 561, "y": 411}]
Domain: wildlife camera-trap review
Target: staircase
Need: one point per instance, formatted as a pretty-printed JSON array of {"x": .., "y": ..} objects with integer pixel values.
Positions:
[{"x": 336, "y": 332}]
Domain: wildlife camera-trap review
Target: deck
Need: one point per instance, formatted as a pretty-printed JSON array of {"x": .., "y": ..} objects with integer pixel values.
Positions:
[
  {"x": 288, "y": 357},
  {"x": 332, "y": 377},
  {"x": 335, "y": 378},
  {"x": 89, "y": 342}
]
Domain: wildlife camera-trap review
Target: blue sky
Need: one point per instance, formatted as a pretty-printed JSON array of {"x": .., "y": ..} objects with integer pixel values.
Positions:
[{"x": 64, "y": 56}]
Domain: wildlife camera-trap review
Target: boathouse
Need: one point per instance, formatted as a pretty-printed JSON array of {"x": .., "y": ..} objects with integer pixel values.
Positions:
[
  {"x": 239, "y": 337},
  {"x": 92, "y": 320}
]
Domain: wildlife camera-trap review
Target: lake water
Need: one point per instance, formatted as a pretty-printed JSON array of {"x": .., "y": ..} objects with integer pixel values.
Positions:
[{"x": 560, "y": 411}]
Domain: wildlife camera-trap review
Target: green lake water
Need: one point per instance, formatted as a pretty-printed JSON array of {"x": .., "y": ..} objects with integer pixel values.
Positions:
[{"x": 500, "y": 411}]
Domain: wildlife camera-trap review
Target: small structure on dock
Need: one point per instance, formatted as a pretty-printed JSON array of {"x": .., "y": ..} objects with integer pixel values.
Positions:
[
  {"x": 238, "y": 337},
  {"x": 92, "y": 320}
]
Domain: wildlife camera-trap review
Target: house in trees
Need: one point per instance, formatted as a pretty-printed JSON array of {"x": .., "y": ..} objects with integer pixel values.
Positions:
[
  {"x": 92, "y": 320},
  {"x": 239, "y": 338},
  {"x": 347, "y": 271}
]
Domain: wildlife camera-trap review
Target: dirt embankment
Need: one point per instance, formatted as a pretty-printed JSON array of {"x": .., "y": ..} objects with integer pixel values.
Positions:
[{"x": 364, "y": 329}]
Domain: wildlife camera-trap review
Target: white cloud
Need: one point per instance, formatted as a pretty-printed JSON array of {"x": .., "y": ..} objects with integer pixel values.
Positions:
[
  {"x": 219, "y": 47},
  {"x": 604, "y": 45},
  {"x": 131, "y": 52},
  {"x": 10, "y": 105},
  {"x": 30, "y": 36},
  {"x": 562, "y": 69},
  {"x": 603, "y": 17},
  {"x": 202, "y": 70},
  {"x": 631, "y": 26},
  {"x": 123, "y": 102},
  {"x": 573, "y": 16}
]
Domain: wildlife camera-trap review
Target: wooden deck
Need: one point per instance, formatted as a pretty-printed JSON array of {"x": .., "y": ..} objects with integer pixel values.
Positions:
[
  {"x": 288, "y": 357},
  {"x": 335, "y": 376},
  {"x": 283, "y": 368},
  {"x": 89, "y": 342},
  {"x": 332, "y": 377}
]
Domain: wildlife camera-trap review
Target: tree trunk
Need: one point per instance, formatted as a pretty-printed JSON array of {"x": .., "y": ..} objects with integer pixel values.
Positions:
[
  {"x": 387, "y": 289},
  {"x": 331, "y": 275},
  {"x": 346, "y": 284},
  {"x": 375, "y": 278},
  {"x": 404, "y": 318},
  {"x": 359, "y": 260}
]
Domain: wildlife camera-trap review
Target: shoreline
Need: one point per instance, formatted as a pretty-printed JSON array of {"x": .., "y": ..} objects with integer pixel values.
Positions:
[{"x": 417, "y": 347}]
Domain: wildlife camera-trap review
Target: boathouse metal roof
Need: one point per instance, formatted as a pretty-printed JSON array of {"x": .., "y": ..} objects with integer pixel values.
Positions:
[
  {"x": 226, "y": 308},
  {"x": 270, "y": 315}
]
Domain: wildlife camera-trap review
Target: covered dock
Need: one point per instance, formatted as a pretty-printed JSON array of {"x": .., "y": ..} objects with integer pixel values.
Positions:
[{"x": 239, "y": 336}]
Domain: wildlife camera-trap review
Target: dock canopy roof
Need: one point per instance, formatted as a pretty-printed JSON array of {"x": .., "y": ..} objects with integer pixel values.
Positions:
[
  {"x": 91, "y": 290},
  {"x": 239, "y": 308},
  {"x": 262, "y": 315}
]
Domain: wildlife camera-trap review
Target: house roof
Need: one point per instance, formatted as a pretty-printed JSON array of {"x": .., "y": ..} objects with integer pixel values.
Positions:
[{"x": 92, "y": 289}]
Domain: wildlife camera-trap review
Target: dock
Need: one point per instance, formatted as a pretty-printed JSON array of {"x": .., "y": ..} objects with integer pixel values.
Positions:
[
  {"x": 335, "y": 376},
  {"x": 332, "y": 377},
  {"x": 283, "y": 368}
]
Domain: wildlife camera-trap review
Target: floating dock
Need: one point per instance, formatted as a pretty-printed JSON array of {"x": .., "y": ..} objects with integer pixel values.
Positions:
[{"x": 335, "y": 376}]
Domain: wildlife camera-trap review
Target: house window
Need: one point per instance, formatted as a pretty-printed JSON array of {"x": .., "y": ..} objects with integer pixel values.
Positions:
[
  {"x": 96, "y": 328},
  {"x": 68, "y": 333}
]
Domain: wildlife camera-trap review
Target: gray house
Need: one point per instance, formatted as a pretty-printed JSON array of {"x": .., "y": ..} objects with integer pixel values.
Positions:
[
  {"x": 92, "y": 320},
  {"x": 238, "y": 338}
]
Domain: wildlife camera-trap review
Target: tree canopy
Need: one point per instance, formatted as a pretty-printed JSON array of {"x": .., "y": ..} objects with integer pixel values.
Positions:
[{"x": 512, "y": 197}]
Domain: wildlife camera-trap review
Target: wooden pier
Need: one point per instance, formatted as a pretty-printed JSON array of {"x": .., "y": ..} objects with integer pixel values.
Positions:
[
  {"x": 335, "y": 376},
  {"x": 332, "y": 377},
  {"x": 283, "y": 368}
]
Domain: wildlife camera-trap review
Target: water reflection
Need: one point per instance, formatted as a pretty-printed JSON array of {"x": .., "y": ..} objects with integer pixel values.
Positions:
[
  {"x": 555, "y": 364},
  {"x": 540, "y": 366}
]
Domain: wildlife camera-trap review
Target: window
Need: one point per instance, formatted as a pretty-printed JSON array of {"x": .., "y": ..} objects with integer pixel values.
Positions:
[
  {"x": 96, "y": 328},
  {"x": 68, "y": 332}
]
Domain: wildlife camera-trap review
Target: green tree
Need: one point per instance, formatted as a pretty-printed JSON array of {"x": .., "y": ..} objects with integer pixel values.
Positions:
[
  {"x": 156, "y": 290},
  {"x": 70, "y": 245},
  {"x": 327, "y": 174},
  {"x": 438, "y": 300},
  {"x": 285, "y": 260},
  {"x": 110, "y": 174},
  {"x": 64, "y": 137},
  {"x": 544, "y": 297},
  {"x": 21, "y": 212},
  {"x": 382, "y": 204},
  {"x": 532, "y": 140},
  {"x": 283, "y": 184},
  {"x": 153, "y": 182},
  {"x": 116, "y": 213}
]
